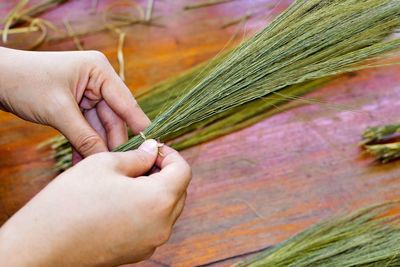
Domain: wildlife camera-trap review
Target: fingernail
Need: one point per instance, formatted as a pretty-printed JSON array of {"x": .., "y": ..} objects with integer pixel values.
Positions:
[{"x": 150, "y": 146}]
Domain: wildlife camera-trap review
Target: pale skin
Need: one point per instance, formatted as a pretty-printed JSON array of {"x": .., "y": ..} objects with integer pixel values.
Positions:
[{"x": 110, "y": 208}]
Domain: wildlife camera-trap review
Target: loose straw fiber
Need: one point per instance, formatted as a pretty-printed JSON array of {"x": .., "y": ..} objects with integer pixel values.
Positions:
[{"x": 310, "y": 40}]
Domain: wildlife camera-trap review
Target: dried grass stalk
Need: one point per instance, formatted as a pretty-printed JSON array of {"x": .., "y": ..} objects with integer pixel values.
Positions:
[
  {"x": 384, "y": 152},
  {"x": 112, "y": 21},
  {"x": 127, "y": 22},
  {"x": 236, "y": 21},
  {"x": 71, "y": 34},
  {"x": 11, "y": 18},
  {"x": 369, "y": 237},
  {"x": 107, "y": 15},
  {"x": 310, "y": 40},
  {"x": 379, "y": 134},
  {"x": 20, "y": 14},
  {"x": 120, "y": 54},
  {"x": 207, "y": 4},
  {"x": 149, "y": 10},
  {"x": 382, "y": 142},
  {"x": 28, "y": 29},
  {"x": 41, "y": 7},
  {"x": 244, "y": 116}
]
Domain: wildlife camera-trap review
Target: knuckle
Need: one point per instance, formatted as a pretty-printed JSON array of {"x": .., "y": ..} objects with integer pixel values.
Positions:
[
  {"x": 148, "y": 254},
  {"x": 98, "y": 56},
  {"x": 142, "y": 159},
  {"x": 95, "y": 83},
  {"x": 162, "y": 236},
  {"x": 166, "y": 203},
  {"x": 86, "y": 144}
]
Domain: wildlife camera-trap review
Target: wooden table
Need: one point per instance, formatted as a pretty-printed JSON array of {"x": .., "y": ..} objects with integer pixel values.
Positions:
[{"x": 253, "y": 188}]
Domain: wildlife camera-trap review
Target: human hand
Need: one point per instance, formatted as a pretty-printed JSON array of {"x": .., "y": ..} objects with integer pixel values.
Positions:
[
  {"x": 97, "y": 214},
  {"x": 78, "y": 93}
]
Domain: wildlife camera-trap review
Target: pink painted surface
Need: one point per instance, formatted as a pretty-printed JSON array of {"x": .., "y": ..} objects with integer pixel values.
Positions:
[{"x": 253, "y": 188}]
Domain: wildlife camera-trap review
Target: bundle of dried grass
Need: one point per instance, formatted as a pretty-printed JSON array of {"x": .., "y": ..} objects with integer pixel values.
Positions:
[
  {"x": 385, "y": 152},
  {"x": 310, "y": 40},
  {"x": 373, "y": 135},
  {"x": 282, "y": 62},
  {"x": 369, "y": 237},
  {"x": 165, "y": 93},
  {"x": 382, "y": 142}
]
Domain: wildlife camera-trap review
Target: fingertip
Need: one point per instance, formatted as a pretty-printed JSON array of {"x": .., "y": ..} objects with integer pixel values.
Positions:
[
  {"x": 149, "y": 146},
  {"x": 175, "y": 173},
  {"x": 171, "y": 159},
  {"x": 164, "y": 153},
  {"x": 140, "y": 161}
]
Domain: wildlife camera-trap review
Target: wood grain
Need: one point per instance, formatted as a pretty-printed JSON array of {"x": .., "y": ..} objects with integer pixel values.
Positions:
[{"x": 253, "y": 188}]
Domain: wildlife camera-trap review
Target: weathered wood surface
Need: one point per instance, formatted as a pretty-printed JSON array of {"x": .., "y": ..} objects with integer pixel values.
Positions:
[{"x": 253, "y": 188}]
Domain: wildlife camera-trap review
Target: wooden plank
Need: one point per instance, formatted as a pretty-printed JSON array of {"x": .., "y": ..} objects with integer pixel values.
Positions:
[{"x": 250, "y": 189}]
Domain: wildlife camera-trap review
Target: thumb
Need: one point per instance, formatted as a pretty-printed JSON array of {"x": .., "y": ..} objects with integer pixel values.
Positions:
[
  {"x": 138, "y": 162},
  {"x": 81, "y": 135}
]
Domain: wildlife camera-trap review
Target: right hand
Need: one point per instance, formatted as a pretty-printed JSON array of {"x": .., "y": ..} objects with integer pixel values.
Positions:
[{"x": 103, "y": 212}]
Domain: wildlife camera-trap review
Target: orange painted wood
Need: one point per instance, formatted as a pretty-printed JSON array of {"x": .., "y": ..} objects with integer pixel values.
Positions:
[{"x": 253, "y": 188}]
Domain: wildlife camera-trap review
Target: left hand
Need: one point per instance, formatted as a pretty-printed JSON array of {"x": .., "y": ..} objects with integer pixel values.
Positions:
[
  {"x": 78, "y": 93},
  {"x": 105, "y": 211}
]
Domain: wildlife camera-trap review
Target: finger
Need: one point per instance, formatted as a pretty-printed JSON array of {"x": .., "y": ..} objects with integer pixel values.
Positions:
[
  {"x": 114, "y": 127},
  {"x": 81, "y": 135},
  {"x": 122, "y": 102},
  {"x": 154, "y": 169},
  {"x": 87, "y": 103},
  {"x": 179, "y": 208},
  {"x": 76, "y": 157},
  {"x": 175, "y": 173},
  {"x": 94, "y": 121},
  {"x": 137, "y": 162}
]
